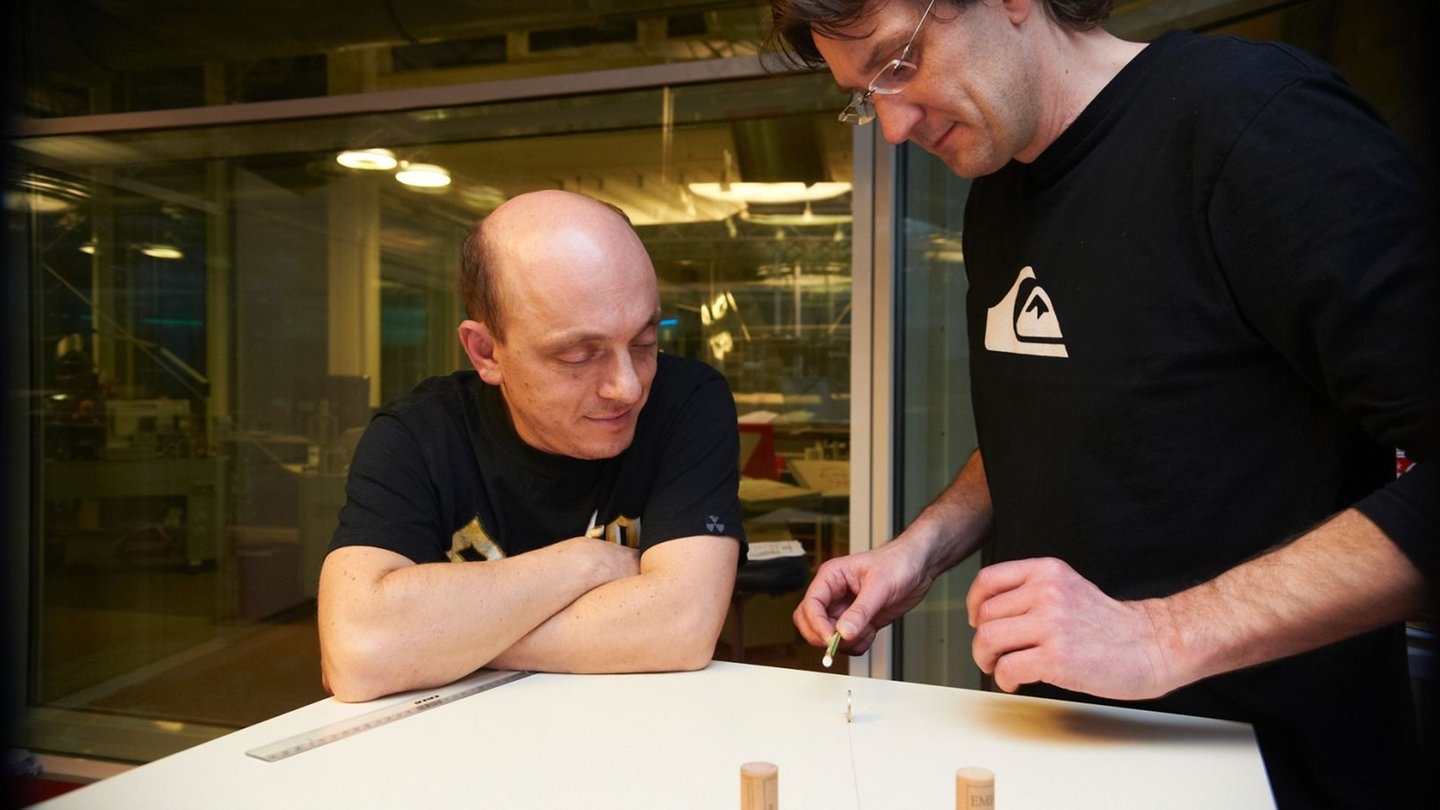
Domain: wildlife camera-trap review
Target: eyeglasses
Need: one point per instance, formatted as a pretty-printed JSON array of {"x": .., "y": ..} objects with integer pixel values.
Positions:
[{"x": 891, "y": 79}]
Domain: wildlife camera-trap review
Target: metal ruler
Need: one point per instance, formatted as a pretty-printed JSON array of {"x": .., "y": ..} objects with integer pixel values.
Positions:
[{"x": 290, "y": 746}]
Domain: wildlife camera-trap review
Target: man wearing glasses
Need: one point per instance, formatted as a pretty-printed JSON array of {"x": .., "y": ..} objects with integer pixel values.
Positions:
[{"x": 1202, "y": 296}]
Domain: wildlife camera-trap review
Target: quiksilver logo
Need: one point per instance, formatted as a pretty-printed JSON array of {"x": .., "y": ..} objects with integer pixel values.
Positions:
[{"x": 1025, "y": 322}]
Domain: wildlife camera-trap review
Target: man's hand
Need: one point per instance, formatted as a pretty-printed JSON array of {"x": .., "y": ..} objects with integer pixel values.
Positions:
[
  {"x": 860, "y": 593},
  {"x": 611, "y": 561},
  {"x": 1039, "y": 621},
  {"x": 665, "y": 618}
]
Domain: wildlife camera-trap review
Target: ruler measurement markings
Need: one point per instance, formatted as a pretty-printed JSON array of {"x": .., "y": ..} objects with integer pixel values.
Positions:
[{"x": 299, "y": 743}]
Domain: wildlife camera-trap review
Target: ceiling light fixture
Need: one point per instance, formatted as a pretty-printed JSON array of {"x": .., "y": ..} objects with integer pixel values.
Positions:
[
  {"x": 423, "y": 175},
  {"x": 769, "y": 193},
  {"x": 160, "y": 250},
  {"x": 382, "y": 160},
  {"x": 43, "y": 194}
]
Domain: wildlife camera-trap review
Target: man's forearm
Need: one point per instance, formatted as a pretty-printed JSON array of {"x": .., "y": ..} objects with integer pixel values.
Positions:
[
  {"x": 387, "y": 625},
  {"x": 1343, "y": 578},
  {"x": 667, "y": 618},
  {"x": 954, "y": 525}
]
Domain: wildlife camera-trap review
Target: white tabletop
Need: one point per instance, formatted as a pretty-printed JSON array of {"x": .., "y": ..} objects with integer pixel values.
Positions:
[{"x": 678, "y": 741}]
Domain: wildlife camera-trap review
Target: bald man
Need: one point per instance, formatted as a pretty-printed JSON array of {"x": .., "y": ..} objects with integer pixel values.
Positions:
[{"x": 569, "y": 505}]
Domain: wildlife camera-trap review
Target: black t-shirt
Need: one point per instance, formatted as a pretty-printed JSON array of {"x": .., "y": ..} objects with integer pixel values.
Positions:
[
  {"x": 1200, "y": 322},
  {"x": 446, "y": 457}
]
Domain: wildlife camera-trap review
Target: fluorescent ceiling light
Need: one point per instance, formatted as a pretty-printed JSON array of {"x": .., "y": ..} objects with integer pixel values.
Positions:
[
  {"x": 368, "y": 159},
  {"x": 162, "y": 251},
  {"x": 771, "y": 193},
  {"x": 43, "y": 194},
  {"x": 423, "y": 175},
  {"x": 35, "y": 202}
]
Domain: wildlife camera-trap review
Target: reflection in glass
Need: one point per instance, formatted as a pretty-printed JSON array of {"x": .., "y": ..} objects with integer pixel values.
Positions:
[{"x": 197, "y": 409}]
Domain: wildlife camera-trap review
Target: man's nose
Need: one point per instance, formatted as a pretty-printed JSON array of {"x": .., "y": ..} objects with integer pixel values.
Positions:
[
  {"x": 895, "y": 118},
  {"x": 622, "y": 382}
]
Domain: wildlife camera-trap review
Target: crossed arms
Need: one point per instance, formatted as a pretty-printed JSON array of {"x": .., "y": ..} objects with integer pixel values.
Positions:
[{"x": 580, "y": 605}]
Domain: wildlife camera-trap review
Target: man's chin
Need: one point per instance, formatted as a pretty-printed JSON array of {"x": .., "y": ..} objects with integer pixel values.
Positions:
[{"x": 609, "y": 447}]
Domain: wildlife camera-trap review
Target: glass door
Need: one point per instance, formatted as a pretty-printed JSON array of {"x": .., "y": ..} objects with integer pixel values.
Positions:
[{"x": 935, "y": 429}]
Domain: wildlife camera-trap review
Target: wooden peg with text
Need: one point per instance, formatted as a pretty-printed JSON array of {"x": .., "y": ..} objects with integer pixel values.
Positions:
[
  {"x": 759, "y": 786},
  {"x": 974, "y": 789}
]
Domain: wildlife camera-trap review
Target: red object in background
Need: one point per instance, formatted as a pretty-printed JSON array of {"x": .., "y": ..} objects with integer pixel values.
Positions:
[
  {"x": 757, "y": 451},
  {"x": 1402, "y": 463}
]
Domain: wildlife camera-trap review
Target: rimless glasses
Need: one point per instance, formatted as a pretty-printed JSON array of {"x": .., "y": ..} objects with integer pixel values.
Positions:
[{"x": 891, "y": 79}]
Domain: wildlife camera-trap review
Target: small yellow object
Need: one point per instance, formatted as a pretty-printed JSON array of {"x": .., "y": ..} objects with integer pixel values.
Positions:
[{"x": 830, "y": 650}]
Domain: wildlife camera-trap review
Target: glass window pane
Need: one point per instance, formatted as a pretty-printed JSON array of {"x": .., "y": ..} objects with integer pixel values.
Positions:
[
  {"x": 937, "y": 429},
  {"x": 220, "y": 309}
]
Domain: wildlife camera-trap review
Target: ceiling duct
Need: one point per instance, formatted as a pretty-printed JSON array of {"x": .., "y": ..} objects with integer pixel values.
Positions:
[
  {"x": 779, "y": 150},
  {"x": 132, "y": 35}
]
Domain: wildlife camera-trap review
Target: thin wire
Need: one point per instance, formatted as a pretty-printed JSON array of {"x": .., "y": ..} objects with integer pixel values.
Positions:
[{"x": 849, "y": 737}]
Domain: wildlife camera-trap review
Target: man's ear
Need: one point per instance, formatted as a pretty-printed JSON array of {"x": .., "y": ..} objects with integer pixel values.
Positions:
[{"x": 479, "y": 346}]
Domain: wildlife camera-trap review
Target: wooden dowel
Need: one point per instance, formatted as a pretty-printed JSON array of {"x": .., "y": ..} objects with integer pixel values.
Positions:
[
  {"x": 759, "y": 786},
  {"x": 974, "y": 788}
]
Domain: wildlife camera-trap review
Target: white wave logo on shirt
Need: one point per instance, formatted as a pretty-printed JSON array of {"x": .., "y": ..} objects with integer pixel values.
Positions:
[{"x": 1024, "y": 322}]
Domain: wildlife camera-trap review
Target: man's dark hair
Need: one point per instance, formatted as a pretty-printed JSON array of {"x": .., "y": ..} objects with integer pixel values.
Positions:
[
  {"x": 793, "y": 22},
  {"x": 478, "y": 288}
]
